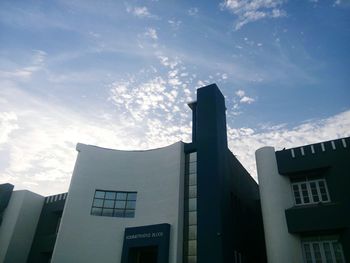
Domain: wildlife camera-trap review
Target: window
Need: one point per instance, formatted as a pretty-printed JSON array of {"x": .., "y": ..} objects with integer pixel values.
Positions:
[
  {"x": 326, "y": 251},
  {"x": 114, "y": 204},
  {"x": 310, "y": 192}
]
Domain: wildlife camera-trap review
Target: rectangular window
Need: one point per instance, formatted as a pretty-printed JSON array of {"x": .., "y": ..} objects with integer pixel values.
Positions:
[
  {"x": 324, "y": 251},
  {"x": 310, "y": 192},
  {"x": 114, "y": 204}
]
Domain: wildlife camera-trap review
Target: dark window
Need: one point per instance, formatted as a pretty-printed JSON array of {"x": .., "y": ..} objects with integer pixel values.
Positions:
[
  {"x": 114, "y": 204},
  {"x": 310, "y": 191}
]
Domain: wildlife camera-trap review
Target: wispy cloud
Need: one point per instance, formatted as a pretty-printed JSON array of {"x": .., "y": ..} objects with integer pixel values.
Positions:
[
  {"x": 151, "y": 33},
  {"x": 193, "y": 11},
  {"x": 248, "y": 11},
  {"x": 175, "y": 24},
  {"x": 243, "y": 98},
  {"x": 245, "y": 141},
  {"x": 140, "y": 11},
  {"x": 35, "y": 63}
]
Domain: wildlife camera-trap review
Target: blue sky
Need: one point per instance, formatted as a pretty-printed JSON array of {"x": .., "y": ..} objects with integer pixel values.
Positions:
[{"x": 118, "y": 74}]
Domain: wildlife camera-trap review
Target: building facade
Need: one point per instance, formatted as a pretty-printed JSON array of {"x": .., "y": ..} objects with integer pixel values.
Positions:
[
  {"x": 305, "y": 202},
  {"x": 187, "y": 202}
]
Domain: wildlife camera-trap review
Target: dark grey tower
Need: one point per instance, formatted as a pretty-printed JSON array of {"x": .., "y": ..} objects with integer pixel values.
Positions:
[{"x": 228, "y": 213}]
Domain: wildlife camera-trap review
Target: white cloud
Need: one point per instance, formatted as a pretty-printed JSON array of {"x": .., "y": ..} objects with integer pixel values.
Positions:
[
  {"x": 240, "y": 93},
  {"x": 247, "y": 100},
  {"x": 152, "y": 33},
  {"x": 193, "y": 11},
  {"x": 243, "y": 142},
  {"x": 140, "y": 11},
  {"x": 243, "y": 98},
  {"x": 8, "y": 124},
  {"x": 175, "y": 24},
  {"x": 248, "y": 11},
  {"x": 38, "y": 138}
]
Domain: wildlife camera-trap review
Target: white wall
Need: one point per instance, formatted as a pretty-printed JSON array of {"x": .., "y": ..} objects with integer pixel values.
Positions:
[
  {"x": 156, "y": 175},
  {"x": 18, "y": 226},
  {"x": 276, "y": 196}
]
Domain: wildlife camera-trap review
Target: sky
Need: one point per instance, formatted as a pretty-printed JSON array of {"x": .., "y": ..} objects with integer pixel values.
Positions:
[{"x": 118, "y": 74}]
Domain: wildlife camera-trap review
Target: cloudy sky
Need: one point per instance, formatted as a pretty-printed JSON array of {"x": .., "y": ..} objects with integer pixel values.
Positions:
[{"x": 118, "y": 74}]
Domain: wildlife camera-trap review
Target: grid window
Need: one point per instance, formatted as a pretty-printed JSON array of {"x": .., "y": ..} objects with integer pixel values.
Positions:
[
  {"x": 114, "y": 204},
  {"x": 310, "y": 192},
  {"x": 326, "y": 251}
]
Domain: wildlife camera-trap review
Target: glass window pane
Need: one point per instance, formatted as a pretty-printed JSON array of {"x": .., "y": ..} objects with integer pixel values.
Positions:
[
  {"x": 192, "y": 218},
  {"x": 296, "y": 194},
  {"x": 192, "y": 247},
  {"x": 98, "y": 202},
  {"x": 120, "y": 204},
  {"x": 192, "y": 191},
  {"x": 193, "y": 157},
  {"x": 192, "y": 179},
  {"x": 130, "y": 204},
  {"x": 132, "y": 196},
  {"x": 192, "y": 259},
  {"x": 305, "y": 193},
  {"x": 129, "y": 213},
  {"x": 109, "y": 204},
  {"x": 110, "y": 195},
  {"x": 327, "y": 252},
  {"x": 323, "y": 191},
  {"x": 192, "y": 232},
  {"x": 107, "y": 212},
  {"x": 121, "y": 196},
  {"x": 100, "y": 194},
  {"x": 338, "y": 252},
  {"x": 307, "y": 253},
  {"x": 317, "y": 252},
  {"x": 192, "y": 204},
  {"x": 193, "y": 168},
  {"x": 118, "y": 213},
  {"x": 96, "y": 211},
  {"x": 314, "y": 192}
]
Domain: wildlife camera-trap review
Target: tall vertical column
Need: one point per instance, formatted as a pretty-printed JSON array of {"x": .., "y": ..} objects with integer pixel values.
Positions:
[
  {"x": 211, "y": 144},
  {"x": 276, "y": 197}
]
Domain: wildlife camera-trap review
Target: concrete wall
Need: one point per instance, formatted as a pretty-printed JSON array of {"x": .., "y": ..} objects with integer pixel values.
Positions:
[
  {"x": 156, "y": 175},
  {"x": 276, "y": 196},
  {"x": 18, "y": 226}
]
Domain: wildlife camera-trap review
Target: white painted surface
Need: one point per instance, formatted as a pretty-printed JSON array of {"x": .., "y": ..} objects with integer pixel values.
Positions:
[
  {"x": 276, "y": 196},
  {"x": 18, "y": 226},
  {"x": 156, "y": 175}
]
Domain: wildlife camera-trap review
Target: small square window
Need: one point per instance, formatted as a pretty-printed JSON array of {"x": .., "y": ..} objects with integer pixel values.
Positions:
[
  {"x": 107, "y": 212},
  {"x": 192, "y": 191},
  {"x": 192, "y": 180},
  {"x": 132, "y": 196},
  {"x": 98, "y": 203},
  {"x": 192, "y": 218},
  {"x": 129, "y": 213},
  {"x": 110, "y": 195},
  {"x": 121, "y": 196},
  {"x": 96, "y": 211},
  {"x": 120, "y": 204},
  {"x": 109, "y": 204},
  {"x": 119, "y": 212},
  {"x": 192, "y": 204},
  {"x": 130, "y": 205},
  {"x": 100, "y": 194}
]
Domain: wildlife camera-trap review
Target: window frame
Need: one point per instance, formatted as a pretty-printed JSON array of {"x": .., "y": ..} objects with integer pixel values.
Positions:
[
  {"x": 321, "y": 243},
  {"x": 310, "y": 195},
  {"x": 121, "y": 212}
]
